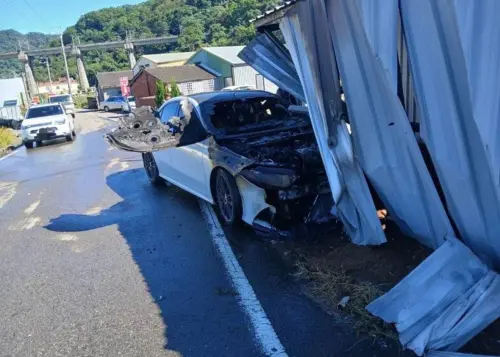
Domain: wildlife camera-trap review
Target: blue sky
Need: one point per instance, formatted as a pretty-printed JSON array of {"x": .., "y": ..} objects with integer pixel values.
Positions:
[{"x": 49, "y": 16}]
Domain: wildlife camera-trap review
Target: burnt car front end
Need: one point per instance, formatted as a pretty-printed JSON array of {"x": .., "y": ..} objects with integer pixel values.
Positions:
[{"x": 278, "y": 169}]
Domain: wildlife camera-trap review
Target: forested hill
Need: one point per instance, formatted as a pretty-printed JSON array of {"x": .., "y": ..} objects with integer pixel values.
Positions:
[
  {"x": 196, "y": 22},
  {"x": 10, "y": 41}
]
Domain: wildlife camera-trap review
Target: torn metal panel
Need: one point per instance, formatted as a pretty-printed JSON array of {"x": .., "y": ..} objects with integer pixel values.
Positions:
[
  {"x": 444, "y": 302},
  {"x": 479, "y": 29},
  {"x": 448, "y": 126},
  {"x": 270, "y": 60},
  {"x": 384, "y": 142},
  {"x": 379, "y": 20},
  {"x": 315, "y": 63},
  {"x": 253, "y": 200},
  {"x": 452, "y": 354}
]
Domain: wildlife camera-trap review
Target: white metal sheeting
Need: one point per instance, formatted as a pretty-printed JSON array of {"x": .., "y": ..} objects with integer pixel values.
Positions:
[
  {"x": 383, "y": 139},
  {"x": 479, "y": 30},
  {"x": 267, "y": 58},
  {"x": 315, "y": 63},
  {"x": 449, "y": 129},
  {"x": 452, "y": 354},
  {"x": 444, "y": 302}
]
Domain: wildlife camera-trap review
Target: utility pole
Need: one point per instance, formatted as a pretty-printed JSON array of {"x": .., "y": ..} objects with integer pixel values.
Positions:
[
  {"x": 46, "y": 60},
  {"x": 66, "y": 65}
]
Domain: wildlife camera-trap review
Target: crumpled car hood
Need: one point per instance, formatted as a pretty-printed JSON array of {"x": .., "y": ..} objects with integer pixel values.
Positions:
[{"x": 141, "y": 131}]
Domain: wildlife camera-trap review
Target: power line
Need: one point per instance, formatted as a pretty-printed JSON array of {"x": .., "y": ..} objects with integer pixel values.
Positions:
[{"x": 32, "y": 9}]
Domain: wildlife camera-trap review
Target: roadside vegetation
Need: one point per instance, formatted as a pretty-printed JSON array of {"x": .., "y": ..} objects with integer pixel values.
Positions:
[
  {"x": 7, "y": 139},
  {"x": 345, "y": 278}
]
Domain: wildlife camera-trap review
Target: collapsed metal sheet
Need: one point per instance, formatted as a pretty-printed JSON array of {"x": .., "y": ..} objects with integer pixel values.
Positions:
[
  {"x": 444, "y": 302},
  {"x": 479, "y": 31},
  {"x": 447, "y": 120},
  {"x": 314, "y": 60},
  {"x": 274, "y": 63},
  {"x": 453, "y": 354},
  {"x": 383, "y": 139}
]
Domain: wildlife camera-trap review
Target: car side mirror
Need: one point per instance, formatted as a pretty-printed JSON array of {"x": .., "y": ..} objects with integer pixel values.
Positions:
[{"x": 73, "y": 115}]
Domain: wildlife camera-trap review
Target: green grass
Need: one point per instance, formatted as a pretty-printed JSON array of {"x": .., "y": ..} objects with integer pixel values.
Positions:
[
  {"x": 7, "y": 138},
  {"x": 80, "y": 101}
]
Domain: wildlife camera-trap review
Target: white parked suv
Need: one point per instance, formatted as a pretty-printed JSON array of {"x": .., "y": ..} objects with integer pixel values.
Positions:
[{"x": 47, "y": 122}]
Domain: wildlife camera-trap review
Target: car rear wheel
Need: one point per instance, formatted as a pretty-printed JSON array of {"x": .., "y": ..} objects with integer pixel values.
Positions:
[
  {"x": 28, "y": 144},
  {"x": 151, "y": 169},
  {"x": 106, "y": 109},
  {"x": 228, "y": 198}
]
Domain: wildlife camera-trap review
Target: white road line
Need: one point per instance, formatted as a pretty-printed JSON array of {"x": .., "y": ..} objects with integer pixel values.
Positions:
[
  {"x": 8, "y": 155},
  {"x": 262, "y": 329}
]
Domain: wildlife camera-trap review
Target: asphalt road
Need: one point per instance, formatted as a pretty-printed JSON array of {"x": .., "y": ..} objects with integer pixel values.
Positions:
[{"x": 96, "y": 262}]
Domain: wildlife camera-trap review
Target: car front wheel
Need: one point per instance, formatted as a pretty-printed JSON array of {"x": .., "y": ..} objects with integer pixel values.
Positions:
[
  {"x": 227, "y": 197},
  {"x": 151, "y": 169},
  {"x": 106, "y": 109}
]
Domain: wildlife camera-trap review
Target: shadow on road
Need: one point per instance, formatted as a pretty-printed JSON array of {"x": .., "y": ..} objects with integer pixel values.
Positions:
[{"x": 169, "y": 242}]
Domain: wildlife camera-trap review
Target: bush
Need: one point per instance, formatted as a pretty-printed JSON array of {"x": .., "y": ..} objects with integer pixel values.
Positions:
[
  {"x": 80, "y": 101},
  {"x": 160, "y": 93},
  {"x": 7, "y": 138}
]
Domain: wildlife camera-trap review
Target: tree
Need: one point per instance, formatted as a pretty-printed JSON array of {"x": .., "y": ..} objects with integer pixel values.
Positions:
[
  {"x": 192, "y": 34},
  {"x": 160, "y": 93},
  {"x": 219, "y": 35},
  {"x": 174, "y": 89}
]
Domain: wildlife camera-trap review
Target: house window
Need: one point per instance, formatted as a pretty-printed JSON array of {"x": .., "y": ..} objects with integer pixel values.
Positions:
[{"x": 189, "y": 86}]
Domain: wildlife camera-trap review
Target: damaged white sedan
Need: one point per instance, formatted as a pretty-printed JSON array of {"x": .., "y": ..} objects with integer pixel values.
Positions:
[{"x": 244, "y": 151}]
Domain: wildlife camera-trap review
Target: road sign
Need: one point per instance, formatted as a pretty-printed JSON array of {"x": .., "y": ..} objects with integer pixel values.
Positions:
[{"x": 124, "y": 86}]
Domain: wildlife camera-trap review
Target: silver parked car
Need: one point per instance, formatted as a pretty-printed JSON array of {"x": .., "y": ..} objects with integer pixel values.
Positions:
[{"x": 112, "y": 103}]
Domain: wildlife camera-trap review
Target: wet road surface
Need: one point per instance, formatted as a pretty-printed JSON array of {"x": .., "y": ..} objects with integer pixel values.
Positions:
[{"x": 96, "y": 262}]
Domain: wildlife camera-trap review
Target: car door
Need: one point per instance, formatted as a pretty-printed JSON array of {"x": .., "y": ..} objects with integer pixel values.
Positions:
[
  {"x": 161, "y": 156},
  {"x": 187, "y": 165},
  {"x": 114, "y": 103}
]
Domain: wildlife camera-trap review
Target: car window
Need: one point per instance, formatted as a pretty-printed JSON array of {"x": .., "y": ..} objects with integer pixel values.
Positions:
[
  {"x": 111, "y": 99},
  {"x": 170, "y": 110},
  {"x": 39, "y": 112},
  {"x": 60, "y": 99}
]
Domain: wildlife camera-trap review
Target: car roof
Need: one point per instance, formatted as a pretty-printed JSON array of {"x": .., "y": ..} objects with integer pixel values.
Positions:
[
  {"x": 229, "y": 95},
  {"x": 45, "y": 105}
]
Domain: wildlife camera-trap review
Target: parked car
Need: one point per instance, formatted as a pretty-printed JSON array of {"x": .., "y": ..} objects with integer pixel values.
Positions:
[
  {"x": 113, "y": 103},
  {"x": 67, "y": 101},
  {"x": 47, "y": 122},
  {"x": 129, "y": 104},
  {"x": 243, "y": 151}
]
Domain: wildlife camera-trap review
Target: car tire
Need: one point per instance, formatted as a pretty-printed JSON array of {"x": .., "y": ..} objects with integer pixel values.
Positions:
[
  {"x": 106, "y": 109},
  {"x": 38, "y": 143},
  {"x": 70, "y": 137},
  {"x": 228, "y": 198},
  {"x": 28, "y": 144},
  {"x": 152, "y": 169}
]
